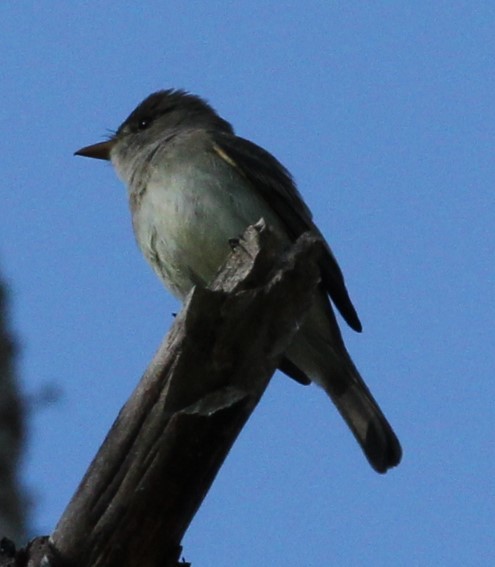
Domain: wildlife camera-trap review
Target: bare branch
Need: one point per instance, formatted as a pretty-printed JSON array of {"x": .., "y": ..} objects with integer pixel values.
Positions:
[{"x": 170, "y": 439}]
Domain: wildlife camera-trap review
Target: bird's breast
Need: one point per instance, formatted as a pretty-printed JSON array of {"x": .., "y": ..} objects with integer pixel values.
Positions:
[{"x": 187, "y": 213}]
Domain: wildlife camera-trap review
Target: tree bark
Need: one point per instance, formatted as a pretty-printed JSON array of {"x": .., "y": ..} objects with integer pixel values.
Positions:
[{"x": 163, "y": 452}]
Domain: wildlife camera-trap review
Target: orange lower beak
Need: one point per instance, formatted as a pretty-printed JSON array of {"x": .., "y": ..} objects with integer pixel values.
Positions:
[{"x": 97, "y": 151}]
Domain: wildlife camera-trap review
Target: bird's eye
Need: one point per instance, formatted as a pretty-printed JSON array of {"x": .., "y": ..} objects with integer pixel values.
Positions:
[{"x": 144, "y": 123}]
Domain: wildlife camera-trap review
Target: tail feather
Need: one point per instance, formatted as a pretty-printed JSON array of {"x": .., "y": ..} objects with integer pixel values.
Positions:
[
  {"x": 365, "y": 419},
  {"x": 319, "y": 353}
]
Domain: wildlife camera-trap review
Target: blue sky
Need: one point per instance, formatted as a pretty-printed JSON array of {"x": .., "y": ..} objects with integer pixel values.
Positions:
[{"x": 384, "y": 113}]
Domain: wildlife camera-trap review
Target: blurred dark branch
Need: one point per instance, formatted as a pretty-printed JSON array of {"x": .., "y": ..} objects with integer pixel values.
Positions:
[
  {"x": 13, "y": 501},
  {"x": 170, "y": 439}
]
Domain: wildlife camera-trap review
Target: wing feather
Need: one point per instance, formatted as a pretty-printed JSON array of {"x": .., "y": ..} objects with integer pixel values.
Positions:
[{"x": 268, "y": 176}]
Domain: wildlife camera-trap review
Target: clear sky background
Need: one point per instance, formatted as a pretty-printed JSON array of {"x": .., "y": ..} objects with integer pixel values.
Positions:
[{"x": 384, "y": 112}]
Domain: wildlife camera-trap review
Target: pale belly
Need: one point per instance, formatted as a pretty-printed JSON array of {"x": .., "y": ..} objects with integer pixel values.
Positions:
[
  {"x": 186, "y": 219},
  {"x": 184, "y": 223}
]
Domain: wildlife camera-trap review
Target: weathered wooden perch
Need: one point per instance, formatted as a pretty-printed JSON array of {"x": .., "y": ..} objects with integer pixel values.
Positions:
[{"x": 163, "y": 452}]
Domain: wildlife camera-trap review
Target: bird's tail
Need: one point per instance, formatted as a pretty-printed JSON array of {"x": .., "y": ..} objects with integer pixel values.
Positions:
[
  {"x": 365, "y": 418},
  {"x": 321, "y": 355}
]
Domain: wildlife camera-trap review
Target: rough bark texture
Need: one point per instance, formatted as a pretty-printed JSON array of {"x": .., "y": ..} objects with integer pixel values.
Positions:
[{"x": 170, "y": 439}]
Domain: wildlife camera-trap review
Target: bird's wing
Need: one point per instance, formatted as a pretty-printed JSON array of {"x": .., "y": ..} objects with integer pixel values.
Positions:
[{"x": 275, "y": 184}]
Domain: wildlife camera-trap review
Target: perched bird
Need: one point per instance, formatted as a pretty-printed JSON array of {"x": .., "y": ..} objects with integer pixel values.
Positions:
[{"x": 193, "y": 186}]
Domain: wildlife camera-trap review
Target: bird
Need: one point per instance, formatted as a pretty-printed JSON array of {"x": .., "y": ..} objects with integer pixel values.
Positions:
[{"x": 194, "y": 186}]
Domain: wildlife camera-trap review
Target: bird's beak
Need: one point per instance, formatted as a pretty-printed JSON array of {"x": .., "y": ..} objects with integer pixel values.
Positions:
[{"x": 97, "y": 151}]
